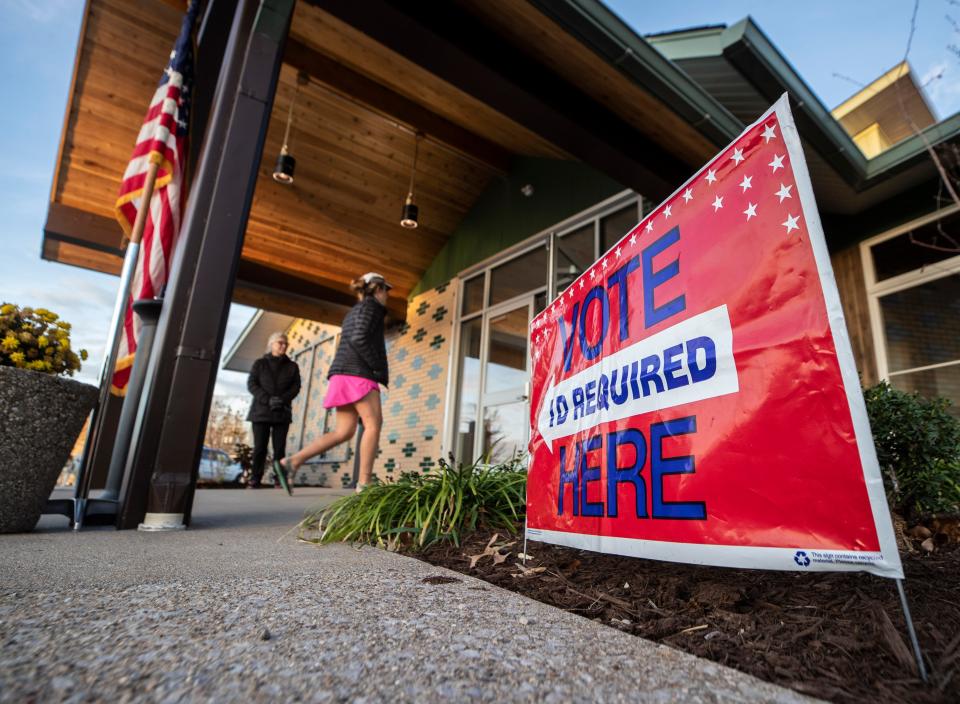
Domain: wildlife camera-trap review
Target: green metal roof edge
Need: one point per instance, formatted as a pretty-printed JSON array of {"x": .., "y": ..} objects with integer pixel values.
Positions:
[
  {"x": 803, "y": 97},
  {"x": 866, "y": 172},
  {"x": 906, "y": 149},
  {"x": 598, "y": 28}
]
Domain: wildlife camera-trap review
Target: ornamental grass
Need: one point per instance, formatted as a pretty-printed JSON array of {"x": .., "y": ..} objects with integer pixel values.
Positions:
[{"x": 418, "y": 510}]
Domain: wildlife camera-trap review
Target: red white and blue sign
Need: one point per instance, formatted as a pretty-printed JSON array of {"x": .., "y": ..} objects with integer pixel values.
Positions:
[{"x": 694, "y": 393}]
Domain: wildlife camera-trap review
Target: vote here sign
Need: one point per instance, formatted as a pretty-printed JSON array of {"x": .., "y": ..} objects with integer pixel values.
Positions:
[{"x": 694, "y": 394}]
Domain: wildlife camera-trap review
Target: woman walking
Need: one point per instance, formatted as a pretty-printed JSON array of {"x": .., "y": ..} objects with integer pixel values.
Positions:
[
  {"x": 359, "y": 367},
  {"x": 274, "y": 382}
]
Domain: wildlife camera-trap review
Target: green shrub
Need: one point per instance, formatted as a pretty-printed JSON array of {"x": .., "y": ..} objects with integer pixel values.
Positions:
[
  {"x": 422, "y": 509},
  {"x": 918, "y": 447}
]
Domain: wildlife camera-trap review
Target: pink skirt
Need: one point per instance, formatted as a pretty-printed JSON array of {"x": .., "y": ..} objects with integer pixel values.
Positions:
[{"x": 344, "y": 389}]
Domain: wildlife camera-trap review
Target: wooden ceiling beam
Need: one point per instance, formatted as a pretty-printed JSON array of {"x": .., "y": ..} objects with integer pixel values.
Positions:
[
  {"x": 357, "y": 87},
  {"x": 446, "y": 42}
]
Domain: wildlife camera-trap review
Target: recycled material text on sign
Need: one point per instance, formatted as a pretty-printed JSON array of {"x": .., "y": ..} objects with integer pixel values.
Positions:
[{"x": 694, "y": 393}]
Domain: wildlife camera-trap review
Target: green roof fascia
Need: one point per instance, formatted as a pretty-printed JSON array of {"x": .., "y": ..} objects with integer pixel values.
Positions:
[
  {"x": 901, "y": 153},
  {"x": 608, "y": 36},
  {"x": 749, "y": 50}
]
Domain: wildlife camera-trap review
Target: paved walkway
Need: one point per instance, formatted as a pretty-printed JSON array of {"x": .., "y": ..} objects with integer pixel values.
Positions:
[{"x": 235, "y": 609}]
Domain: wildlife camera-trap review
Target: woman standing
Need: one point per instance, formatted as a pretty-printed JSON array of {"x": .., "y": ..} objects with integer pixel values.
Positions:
[
  {"x": 359, "y": 367},
  {"x": 274, "y": 382}
]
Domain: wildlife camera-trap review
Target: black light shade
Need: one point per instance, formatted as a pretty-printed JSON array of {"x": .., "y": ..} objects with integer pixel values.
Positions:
[
  {"x": 283, "y": 172},
  {"x": 410, "y": 213}
]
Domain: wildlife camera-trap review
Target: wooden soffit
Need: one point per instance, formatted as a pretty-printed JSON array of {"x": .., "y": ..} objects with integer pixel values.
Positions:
[{"x": 378, "y": 73}]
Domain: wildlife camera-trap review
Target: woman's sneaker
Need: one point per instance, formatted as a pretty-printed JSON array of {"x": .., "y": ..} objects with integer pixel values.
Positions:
[{"x": 281, "y": 475}]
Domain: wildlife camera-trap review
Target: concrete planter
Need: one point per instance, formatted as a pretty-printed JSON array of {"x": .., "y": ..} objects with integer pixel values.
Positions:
[{"x": 40, "y": 418}]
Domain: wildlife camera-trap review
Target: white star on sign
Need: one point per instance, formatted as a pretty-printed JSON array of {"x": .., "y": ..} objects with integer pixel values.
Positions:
[
  {"x": 649, "y": 228},
  {"x": 604, "y": 263},
  {"x": 791, "y": 223},
  {"x": 593, "y": 274},
  {"x": 633, "y": 237},
  {"x": 711, "y": 176},
  {"x": 784, "y": 192},
  {"x": 751, "y": 211},
  {"x": 717, "y": 203},
  {"x": 746, "y": 183},
  {"x": 777, "y": 163},
  {"x": 617, "y": 251},
  {"x": 768, "y": 133},
  {"x": 666, "y": 211},
  {"x": 581, "y": 283},
  {"x": 173, "y": 54},
  {"x": 737, "y": 156},
  {"x": 688, "y": 195}
]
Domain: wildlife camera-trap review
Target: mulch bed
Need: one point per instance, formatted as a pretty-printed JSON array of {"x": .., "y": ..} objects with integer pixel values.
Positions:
[{"x": 837, "y": 636}]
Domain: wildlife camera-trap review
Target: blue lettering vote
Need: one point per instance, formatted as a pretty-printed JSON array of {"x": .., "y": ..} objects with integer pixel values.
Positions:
[{"x": 619, "y": 280}]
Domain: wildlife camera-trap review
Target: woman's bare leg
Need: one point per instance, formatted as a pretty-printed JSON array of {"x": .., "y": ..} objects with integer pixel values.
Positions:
[
  {"x": 372, "y": 416},
  {"x": 346, "y": 427}
]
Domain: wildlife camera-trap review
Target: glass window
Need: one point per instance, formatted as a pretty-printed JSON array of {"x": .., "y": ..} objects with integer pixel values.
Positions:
[
  {"x": 922, "y": 324},
  {"x": 525, "y": 273},
  {"x": 472, "y": 295},
  {"x": 925, "y": 245},
  {"x": 575, "y": 251},
  {"x": 468, "y": 374},
  {"x": 505, "y": 431},
  {"x": 614, "y": 226},
  {"x": 507, "y": 358}
]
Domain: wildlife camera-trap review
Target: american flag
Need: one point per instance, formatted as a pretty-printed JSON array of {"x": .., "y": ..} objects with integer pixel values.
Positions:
[{"x": 163, "y": 141}]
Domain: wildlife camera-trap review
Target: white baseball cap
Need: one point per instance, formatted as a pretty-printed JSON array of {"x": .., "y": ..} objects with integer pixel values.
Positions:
[{"x": 372, "y": 277}]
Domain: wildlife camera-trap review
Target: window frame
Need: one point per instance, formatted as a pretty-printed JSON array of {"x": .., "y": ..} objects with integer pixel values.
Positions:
[
  {"x": 911, "y": 279},
  {"x": 544, "y": 238}
]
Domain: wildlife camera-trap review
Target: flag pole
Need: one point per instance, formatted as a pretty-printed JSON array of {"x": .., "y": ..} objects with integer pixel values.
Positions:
[{"x": 113, "y": 344}]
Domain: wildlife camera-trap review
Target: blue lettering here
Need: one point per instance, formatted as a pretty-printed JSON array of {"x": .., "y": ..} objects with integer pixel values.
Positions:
[
  {"x": 661, "y": 466},
  {"x": 589, "y": 473},
  {"x": 626, "y": 475},
  {"x": 569, "y": 477},
  {"x": 652, "y": 314}
]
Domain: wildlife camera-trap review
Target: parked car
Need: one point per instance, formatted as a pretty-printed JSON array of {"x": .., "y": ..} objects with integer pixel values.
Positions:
[{"x": 216, "y": 467}]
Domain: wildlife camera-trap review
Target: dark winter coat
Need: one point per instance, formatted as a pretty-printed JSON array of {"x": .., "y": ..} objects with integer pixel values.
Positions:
[
  {"x": 273, "y": 376},
  {"x": 362, "y": 350}
]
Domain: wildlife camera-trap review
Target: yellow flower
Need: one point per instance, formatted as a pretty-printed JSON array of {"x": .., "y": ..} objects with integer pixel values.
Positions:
[
  {"x": 7, "y": 308},
  {"x": 83, "y": 355},
  {"x": 17, "y": 357},
  {"x": 65, "y": 344},
  {"x": 10, "y": 342},
  {"x": 42, "y": 341},
  {"x": 49, "y": 350}
]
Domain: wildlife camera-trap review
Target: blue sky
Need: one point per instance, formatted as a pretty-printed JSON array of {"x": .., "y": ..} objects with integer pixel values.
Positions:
[{"x": 38, "y": 41}]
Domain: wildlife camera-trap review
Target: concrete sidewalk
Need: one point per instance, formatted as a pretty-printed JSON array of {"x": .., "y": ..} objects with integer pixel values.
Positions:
[{"x": 235, "y": 609}]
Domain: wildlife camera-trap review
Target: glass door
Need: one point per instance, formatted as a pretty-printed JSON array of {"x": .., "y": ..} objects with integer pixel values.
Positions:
[{"x": 503, "y": 411}]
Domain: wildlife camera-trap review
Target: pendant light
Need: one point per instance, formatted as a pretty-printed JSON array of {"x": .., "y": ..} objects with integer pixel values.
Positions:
[
  {"x": 283, "y": 171},
  {"x": 410, "y": 209}
]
